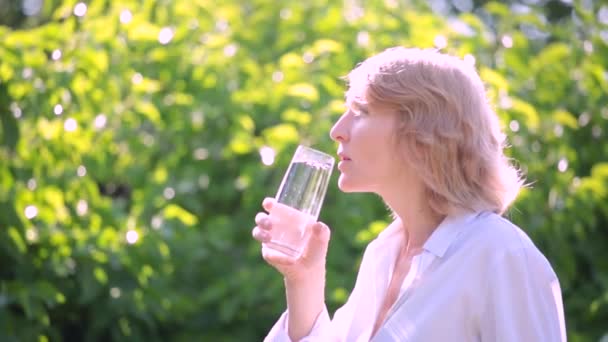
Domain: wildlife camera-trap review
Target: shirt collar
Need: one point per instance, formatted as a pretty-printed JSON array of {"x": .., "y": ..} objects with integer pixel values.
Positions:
[{"x": 447, "y": 231}]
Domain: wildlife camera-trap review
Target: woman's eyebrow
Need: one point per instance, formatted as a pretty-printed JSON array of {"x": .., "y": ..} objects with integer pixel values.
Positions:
[{"x": 359, "y": 105}]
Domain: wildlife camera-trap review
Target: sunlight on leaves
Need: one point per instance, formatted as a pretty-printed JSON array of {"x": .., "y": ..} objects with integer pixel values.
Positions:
[{"x": 173, "y": 211}]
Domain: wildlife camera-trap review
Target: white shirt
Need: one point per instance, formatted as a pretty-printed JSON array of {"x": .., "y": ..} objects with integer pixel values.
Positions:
[{"x": 479, "y": 278}]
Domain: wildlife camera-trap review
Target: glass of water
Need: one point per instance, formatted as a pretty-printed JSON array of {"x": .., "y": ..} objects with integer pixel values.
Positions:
[{"x": 299, "y": 199}]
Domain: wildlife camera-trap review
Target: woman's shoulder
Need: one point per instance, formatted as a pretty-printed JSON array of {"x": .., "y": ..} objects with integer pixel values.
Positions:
[
  {"x": 501, "y": 243},
  {"x": 496, "y": 232}
]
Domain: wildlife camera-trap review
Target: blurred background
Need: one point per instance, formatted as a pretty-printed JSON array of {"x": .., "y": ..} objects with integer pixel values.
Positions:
[{"x": 138, "y": 138}]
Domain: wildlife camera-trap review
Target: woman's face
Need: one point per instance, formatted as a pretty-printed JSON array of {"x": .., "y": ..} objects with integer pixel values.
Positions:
[{"x": 367, "y": 148}]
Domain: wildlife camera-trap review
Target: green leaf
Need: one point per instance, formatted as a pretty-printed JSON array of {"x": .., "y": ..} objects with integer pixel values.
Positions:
[
  {"x": 296, "y": 116},
  {"x": 565, "y": 118},
  {"x": 149, "y": 110},
  {"x": 100, "y": 275},
  {"x": 322, "y": 46},
  {"x": 281, "y": 134},
  {"x": 17, "y": 239},
  {"x": 241, "y": 143},
  {"x": 173, "y": 211},
  {"x": 525, "y": 112},
  {"x": 142, "y": 31},
  {"x": 304, "y": 90},
  {"x": 494, "y": 78},
  {"x": 497, "y": 8},
  {"x": 552, "y": 55},
  {"x": 291, "y": 61}
]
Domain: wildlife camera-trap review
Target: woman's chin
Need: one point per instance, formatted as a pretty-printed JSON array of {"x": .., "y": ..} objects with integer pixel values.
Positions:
[{"x": 345, "y": 186}]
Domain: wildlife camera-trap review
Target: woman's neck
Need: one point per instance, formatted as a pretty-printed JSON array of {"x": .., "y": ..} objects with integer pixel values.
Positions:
[{"x": 416, "y": 218}]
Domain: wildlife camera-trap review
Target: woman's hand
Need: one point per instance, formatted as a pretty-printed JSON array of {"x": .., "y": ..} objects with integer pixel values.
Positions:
[
  {"x": 311, "y": 263},
  {"x": 304, "y": 276}
]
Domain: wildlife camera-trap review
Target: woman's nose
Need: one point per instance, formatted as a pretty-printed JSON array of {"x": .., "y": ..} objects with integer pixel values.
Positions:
[{"x": 339, "y": 132}]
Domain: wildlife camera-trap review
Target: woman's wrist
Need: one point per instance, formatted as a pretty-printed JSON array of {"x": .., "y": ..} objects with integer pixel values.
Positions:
[
  {"x": 305, "y": 301},
  {"x": 305, "y": 280}
]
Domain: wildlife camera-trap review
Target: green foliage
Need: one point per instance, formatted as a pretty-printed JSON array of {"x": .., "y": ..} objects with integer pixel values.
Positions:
[{"x": 131, "y": 168}]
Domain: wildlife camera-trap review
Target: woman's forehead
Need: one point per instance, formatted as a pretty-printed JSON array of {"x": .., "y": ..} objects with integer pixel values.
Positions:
[
  {"x": 359, "y": 98},
  {"x": 356, "y": 95}
]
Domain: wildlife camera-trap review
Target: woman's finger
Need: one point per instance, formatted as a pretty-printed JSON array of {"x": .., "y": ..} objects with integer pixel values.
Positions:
[
  {"x": 263, "y": 221},
  {"x": 260, "y": 235},
  {"x": 276, "y": 258},
  {"x": 268, "y": 203},
  {"x": 318, "y": 242}
]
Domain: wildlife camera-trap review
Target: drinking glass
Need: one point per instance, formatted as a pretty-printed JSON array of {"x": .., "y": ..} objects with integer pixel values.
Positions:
[{"x": 299, "y": 199}]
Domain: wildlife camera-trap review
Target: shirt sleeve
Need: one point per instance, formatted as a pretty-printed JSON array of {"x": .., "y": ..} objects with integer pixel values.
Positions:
[
  {"x": 278, "y": 333},
  {"x": 524, "y": 300}
]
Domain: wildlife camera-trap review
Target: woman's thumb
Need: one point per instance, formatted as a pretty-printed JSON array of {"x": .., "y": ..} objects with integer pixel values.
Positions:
[
  {"x": 321, "y": 231},
  {"x": 319, "y": 240}
]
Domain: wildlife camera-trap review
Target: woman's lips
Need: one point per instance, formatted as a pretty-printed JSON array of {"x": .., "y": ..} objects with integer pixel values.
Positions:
[{"x": 343, "y": 157}]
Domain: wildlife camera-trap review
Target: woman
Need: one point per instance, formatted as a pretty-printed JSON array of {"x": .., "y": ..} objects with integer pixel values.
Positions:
[{"x": 418, "y": 131}]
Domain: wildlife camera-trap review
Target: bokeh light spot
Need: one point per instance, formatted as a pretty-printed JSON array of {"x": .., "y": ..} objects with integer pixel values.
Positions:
[
  {"x": 81, "y": 171},
  {"x": 268, "y": 155},
  {"x": 230, "y": 50},
  {"x": 165, "y": 35},
  {"x": 584, "y": 119},
  {"x": 27, "y": 73},
  {"x": 596, "y": 131},
  {"x": 201, "y": 153},
  {"x": 125, "y": 16},
  {"x": 31, "y": 234},
  {"x": 16, "y": 110},
  {"x": 82, "y": 207},
  {"x": 169, "y": 193},
  {"x": 132, "y": 237},
  {"x": 31, "y": 184},
  {"x": 70, "y": 125},
  {"x": 56, "y": 54},
  {"x": 558, "y": 130},
  {"x": 505, "y": 101},
  {"x": 440, "y": 42},
  {"x": 241, "y": 183},
  {"x": 157, "y": 222},
  {"x": 100, "y": 121},
  {"x": 588, "y": 47},
  {"x": 221, "y": 25},
  {"x": 115, "y": 292},
  {"x": 58, "y": 109},
  {"x": 277, "y": 76},
  {"x": 31, "y": 211},
  {"x": 80, "y": 9},
  {"x": 363, "y": 38},
  {"x": 308, "y": 58},
  {"x": 137, "y": 78},
  {"x": 562, "y": 165},
  {"x": 198, "y": 118}
]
